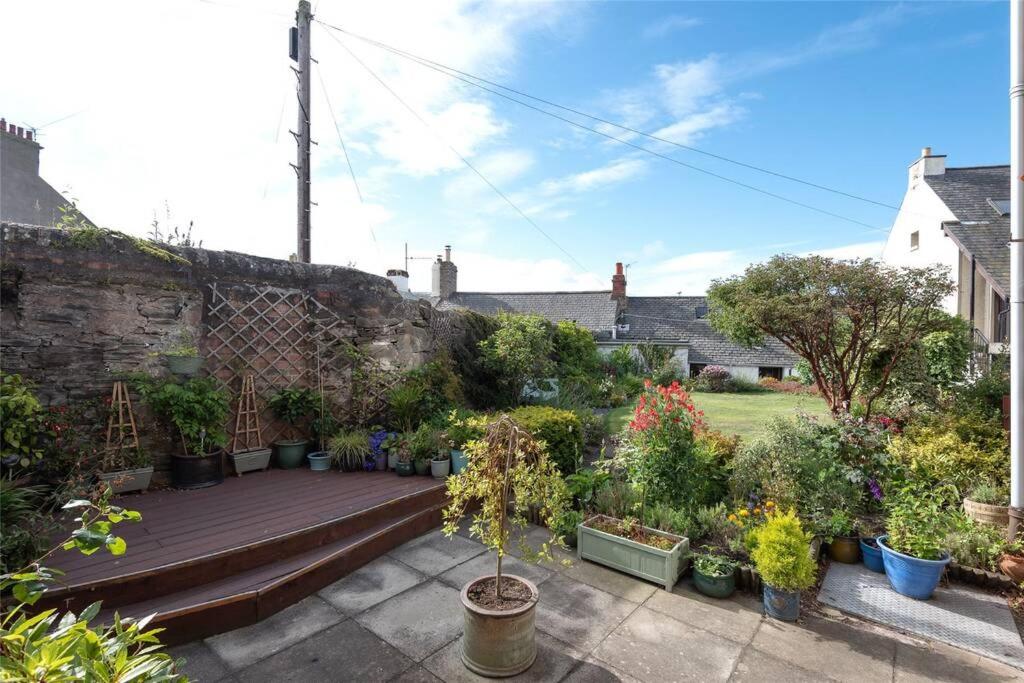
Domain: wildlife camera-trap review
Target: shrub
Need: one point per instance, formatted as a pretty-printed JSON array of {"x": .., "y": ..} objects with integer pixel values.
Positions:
[
  {"x": 462, "y": 426},
  {"x": 407, "y": 405},
  {"x": 567, "y": 523},
  {"x": 798, "y": 464},
  {"x": 625, "y": 360},
  {"x": 519, "y": 353},
  {"x": 426, "y": 441},
  {"x": 987, "y": 493},
  {"x": 713, "y": 378},
  {"x": 665, "y": 517},
  {"x": 659, "y": 453},
  {"x": 617, "y": 499},
  {"x": 21, "y": 419},
  {"x": 23, "y": 533},
  {"x": 714, "y": 565},
  {"x": 916, "y": 523},
  {"x": 293, "y": 405},
  {"x": 350, "y": 449},
  {"x": 198, "y": 408},
  {"x": 585, "y": 484},
  {"x": 781, "y": 552},
  {"x": 441, "y": 387},
  {"x": 668, "y": 372},
  {"x": 575, "y": 351},
  {"x": 739, "y": 385},
  {"x": 974, "y": 544},
  {"x": 593, "y": 426},
  {"x": 560, "y": 430},
  {"x": 936, "y": 454},
  {"x": 630, "y": 386}
]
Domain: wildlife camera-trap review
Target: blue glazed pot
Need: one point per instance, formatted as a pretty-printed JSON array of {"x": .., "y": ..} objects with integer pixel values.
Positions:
[
  {"x": 781, "y": 605},
  {"x": 459, "y": 461},
  {"x": 319, "y": 461},
  {"x": 911, "y": 576},
  {"x": 872, "y": 557}
]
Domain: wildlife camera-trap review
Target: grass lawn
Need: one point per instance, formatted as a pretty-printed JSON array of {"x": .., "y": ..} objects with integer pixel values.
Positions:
[{"x": 742, "y": 414}]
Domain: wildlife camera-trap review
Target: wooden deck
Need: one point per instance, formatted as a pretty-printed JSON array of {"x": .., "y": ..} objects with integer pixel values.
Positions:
[{"x": 214, "y": 559}]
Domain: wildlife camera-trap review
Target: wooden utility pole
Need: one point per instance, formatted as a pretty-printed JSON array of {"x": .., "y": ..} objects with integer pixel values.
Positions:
[{"x": 300, "y": 47}]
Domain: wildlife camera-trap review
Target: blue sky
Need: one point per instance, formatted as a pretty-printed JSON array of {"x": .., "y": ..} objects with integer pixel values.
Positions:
[{"x": 840, "y": 94}]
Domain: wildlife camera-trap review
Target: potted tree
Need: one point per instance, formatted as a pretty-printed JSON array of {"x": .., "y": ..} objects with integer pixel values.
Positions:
[
  {"x": 198, "y": 408},
  {"x": 183, "y": 358},
  {"x": 508, "y": 473},
  {"x": 839, "y": 531},
  {"x": 714, "y": 575},
  {"x": 780, "y": 551},
  {"x": 293, "y": 406},
  {"x": 403, "y": 459},
  {"x": 913, "y": 547}
]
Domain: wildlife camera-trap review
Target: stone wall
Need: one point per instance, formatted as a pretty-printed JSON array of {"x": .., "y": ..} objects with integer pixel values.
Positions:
[{"x": 79, "y": 310}]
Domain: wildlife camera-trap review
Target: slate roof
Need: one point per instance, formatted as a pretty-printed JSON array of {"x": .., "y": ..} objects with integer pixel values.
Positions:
[
  {"x": 979, "y": 229},
  {"x": 675, "y": 318},
  {"x": 594, "y": 310}
]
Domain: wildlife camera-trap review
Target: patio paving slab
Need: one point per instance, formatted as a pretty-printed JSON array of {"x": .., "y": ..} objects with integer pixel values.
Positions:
[
  {"x": 964, "y": 617},
  {"x": 842, "y": 651},
  {"x": 593, "y": 670},
  {"x": 201, "y": 663},
  {"x": 732, "y": 619},
  {"x": 535, "y": 536},
  {"x": 245, "y": 646},
  {"x": 755, "y": 665},
  {"x": 419, "y": 621},
  {"x": 344, "y": 652},
  {"x": 554, "y": 660},
  {"x": 939, "y": 663},
  {"x": 611, "y": 581},
  {"x": 578, "y": 614},
  {"x": 371, "y": 584},
  {"x": 484, "y": 564},
  {"x": 434, "y": 553},
  {"x": 655, "y": 648},
  {"x": 417, "y": 674}
]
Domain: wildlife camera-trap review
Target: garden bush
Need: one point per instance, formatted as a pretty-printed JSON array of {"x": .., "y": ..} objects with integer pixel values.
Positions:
[
  {"x": 713, "y": 378},
  {"x": 21, "y": 434},
  {"x": 798, "y": 464},
  {"x": 936, "y": 453},
  {"x": 625, "y": 360},
  {"x": 916, "y": 521},
  {"x": 781, "y": 553},
  {"x": 575, "y": 351},
  {"x": 975, "y": 544},
  {"x": 560, "y": 430},
  {"x": 519, "y": 354}
]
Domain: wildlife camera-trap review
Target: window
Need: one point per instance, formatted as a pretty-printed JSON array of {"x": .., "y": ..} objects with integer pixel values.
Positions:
[
  {"x": 1002, "y": 206},
  {"x": 695, "y": 368},
  {"x": 769, "y": 372},
  {"x": 915, "y": 240},
  {"x": 700, "y": 311}
]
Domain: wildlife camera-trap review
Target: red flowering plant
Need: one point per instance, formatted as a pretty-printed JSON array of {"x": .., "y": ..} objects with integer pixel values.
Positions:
[{"x": 661, "y": 455}]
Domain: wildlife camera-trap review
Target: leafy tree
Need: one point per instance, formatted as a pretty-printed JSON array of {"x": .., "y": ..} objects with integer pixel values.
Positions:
[
  {"x": 519, "y": 352},
  {"x": 575, "y": 350},
  {"x": 838, "y": 315}
]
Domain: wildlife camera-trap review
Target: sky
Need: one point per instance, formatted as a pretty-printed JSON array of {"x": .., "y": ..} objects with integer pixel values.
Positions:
[{"x": 180, "y": 111}]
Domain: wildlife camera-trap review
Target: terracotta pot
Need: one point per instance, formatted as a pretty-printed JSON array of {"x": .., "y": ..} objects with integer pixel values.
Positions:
[
  {"x": 997, "y": 515},
  {"x": 496, "y": 643},
  {"x": 1012, "y": 566}
]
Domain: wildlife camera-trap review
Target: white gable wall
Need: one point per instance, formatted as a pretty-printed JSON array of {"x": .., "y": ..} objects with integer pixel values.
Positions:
[{"x": 922, "y": 211}]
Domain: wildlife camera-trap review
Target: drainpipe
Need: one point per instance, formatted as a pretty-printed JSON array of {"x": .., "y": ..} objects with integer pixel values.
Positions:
[
  {"x": 1016, "y": 265},
  {"x": 970, "y": 305}
]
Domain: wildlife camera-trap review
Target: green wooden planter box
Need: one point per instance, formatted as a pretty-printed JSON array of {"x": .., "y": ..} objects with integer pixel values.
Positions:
[{"x": 660, "y": 566}]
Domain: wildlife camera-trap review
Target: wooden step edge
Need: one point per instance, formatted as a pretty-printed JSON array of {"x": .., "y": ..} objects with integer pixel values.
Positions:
[
  {"x": 231, "y": 612},
  {"x": 131, "y": 587}
]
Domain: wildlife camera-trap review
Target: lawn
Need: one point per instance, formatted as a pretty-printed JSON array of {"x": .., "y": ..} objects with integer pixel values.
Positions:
[{"x": 742, "y": 414}]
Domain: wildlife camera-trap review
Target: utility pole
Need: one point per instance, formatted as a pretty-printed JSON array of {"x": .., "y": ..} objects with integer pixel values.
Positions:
[
  {"x": 1016, "y": 265},
  {"x": 300, "y": 52}
]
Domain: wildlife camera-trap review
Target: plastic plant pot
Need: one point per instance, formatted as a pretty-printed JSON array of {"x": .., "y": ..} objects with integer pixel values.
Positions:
[
  {"x": 459, "y": 461},
  {"x": 715, "y": 586},
  {"x": 845, "y": 549},
  {"x": 439, "y": 468},
  {"x": 422, "y": 467},
  {"x": 911, "y": 576},
  {"x": 872, "y": 555},
  {"x": 319, "y": 461},
  {"x": 405, "y": 469},
  {"x": 781, "y": 605},
  {"x": 291, "y": 454}
]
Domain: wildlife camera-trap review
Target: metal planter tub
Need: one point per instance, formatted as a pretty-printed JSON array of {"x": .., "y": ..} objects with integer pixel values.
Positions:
[
  {"x": 498, "y": 644},
  {"x": 127, "y": 481},
  {"x": 251, "y": 461},
  {"x": 647, "y": 562}
]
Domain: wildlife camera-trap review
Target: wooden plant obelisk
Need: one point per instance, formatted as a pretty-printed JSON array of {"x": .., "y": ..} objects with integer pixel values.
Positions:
[{"x": 121, "y": 431}]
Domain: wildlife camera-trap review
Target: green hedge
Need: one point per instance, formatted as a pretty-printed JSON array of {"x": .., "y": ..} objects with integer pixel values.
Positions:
[{"x": 560, "y": 429}]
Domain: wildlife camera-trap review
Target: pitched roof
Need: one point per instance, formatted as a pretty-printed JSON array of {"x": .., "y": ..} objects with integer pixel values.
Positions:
[
  {"x": 979, "y": 228},
  {"x": 675, "y": 318},
  {"x": 594, "y": 310}
]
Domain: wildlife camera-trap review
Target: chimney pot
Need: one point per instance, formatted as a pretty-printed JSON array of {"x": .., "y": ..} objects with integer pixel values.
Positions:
[
  {"x": 21, "y": 132},
  {"x": 926, "y": 151},
  {"x": 447, "y": 252},
  {"x": 28, "y": 135}
]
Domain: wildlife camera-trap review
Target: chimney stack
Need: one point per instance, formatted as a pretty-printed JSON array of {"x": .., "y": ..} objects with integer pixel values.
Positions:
[
  {"x": 619, "y": 284},
  {"x": 444, "y": 276},
  {"x": 399, "y": 278},
  {"x": 928, "y": 165}
]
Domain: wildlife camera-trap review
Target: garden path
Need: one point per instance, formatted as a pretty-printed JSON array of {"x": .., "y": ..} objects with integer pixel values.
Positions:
[{"x": 399, "y": 619}]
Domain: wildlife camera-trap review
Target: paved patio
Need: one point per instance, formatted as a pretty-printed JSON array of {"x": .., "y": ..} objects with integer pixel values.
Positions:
[{"x": 399, "y": 619}]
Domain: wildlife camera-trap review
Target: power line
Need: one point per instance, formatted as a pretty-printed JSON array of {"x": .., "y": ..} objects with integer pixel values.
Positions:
[
  {"x": 457, "y": 153},
  {"x": 429, "y": 62},
  {"x": 348, "y": 161},
  {"x": 631, "y": 144}
]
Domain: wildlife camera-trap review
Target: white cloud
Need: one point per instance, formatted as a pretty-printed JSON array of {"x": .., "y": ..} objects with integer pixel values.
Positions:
[
  {"x": 686, "y": 84},
  {"x": 499, "y": 167},
  {"x": 669, "y": 24},
  {"x": 617, "y": 171}
]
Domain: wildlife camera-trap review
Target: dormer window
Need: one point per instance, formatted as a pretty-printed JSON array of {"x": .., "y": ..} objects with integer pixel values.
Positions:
[
  {"x": 700, "y": 311},
  {"x": 1001, "y": 206},
  {"x": 915, "y": 240}
]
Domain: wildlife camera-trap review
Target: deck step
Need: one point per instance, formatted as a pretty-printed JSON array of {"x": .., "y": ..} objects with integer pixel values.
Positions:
[
  {"x": 250, "y": 596},
  {"x": 127, "y": 586}
]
